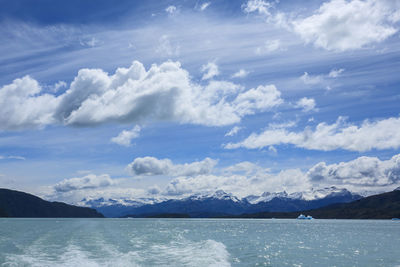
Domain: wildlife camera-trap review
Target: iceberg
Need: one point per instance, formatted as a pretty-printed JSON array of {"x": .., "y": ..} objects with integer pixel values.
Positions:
[{"x": 303, "y": 217}]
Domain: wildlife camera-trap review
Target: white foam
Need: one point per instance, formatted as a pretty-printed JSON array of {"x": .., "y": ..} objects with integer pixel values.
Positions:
[
  {"x": 189, "y": 253},
  {"x": 73, "y": 256},
  {"x": 176, "y": 253}
]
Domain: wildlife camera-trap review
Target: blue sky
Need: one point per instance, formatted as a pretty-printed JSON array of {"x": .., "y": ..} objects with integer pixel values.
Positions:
[{"x": 171, "y": 98}]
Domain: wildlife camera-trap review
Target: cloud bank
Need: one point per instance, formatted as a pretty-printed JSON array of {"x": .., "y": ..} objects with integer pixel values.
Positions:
[
  {"x": 379, "y": 134},
  {"x": 363, "y": 174},
  {"x": 245, "y": 178},
  {"x": 131, "y": 95}
]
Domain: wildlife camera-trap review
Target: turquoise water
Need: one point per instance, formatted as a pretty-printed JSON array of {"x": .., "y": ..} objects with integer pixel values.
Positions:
[{"x": 198, "y": 242}]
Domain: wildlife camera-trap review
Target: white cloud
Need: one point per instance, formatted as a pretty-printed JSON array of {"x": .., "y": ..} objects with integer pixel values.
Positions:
[
  {"x": 233, "y": 131},
  {"x": 240, "y": 184},
  {"x": 240, "y": 74},
  {"x": 124, "y": 138},
  {"x": 307, "y": 104},
  {"x": 311, "y": 79},
  {"x": 24, "y": 105},
  {"x": 152, "y": 166},
  {"x": 171, "y": 10},
  {"x": 335, "y": 73},
  {"x": 210, "y": 70},
  {"x": 242, "y": 179},
  {"x": 132, "y": 95},
  {"x": 363, "y": 171},
  {"x": 379, "y": 134},
  {"x": 246, "y": 178},
  {"x": 12, "y": 157},
  {"x": 261, "y": 98},
  {"x": 259, "y": 6},
  {"x": 325, "y": 80},
  {"x": 204, "y": 6},
  {"x": 90, "y": 181},
  {"x": 263, "y": 8},
  {"x": 269, "y": 47},
  {"x": 341, "y": 25}
]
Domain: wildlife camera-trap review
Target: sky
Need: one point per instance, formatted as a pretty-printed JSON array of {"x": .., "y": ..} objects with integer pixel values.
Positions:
[{"x": 165, "y": 99}]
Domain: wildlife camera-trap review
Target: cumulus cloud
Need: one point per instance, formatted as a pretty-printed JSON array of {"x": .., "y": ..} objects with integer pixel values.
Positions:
[
  {"x": 90, "y": 181},
  {"x": 233, "y": 131},
  {"x": 125, "y": 137},
  {"x": 337, "y": 25},
  {"x": 240, "y": 74},
  {"x": 246, "y": 178},
  {"x": 341, "y": 25},
  {"x": 210, "y": 70},
  {"x": 152, "y": 166},
  {"x": 132, "y": 95},
  {"x": 261, "y": 98},
  {"x": 379, "y": 134},
  {"x": 23, "y": 105},
  {"x": 363, "y": 171},
  {"x": 306, "y": 104}
]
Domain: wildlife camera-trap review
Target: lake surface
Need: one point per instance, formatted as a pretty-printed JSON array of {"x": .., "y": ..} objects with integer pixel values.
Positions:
[{"x": 198, "y": 242}]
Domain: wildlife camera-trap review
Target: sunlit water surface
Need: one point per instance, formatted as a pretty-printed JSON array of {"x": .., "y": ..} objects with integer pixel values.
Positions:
[{"x": 198, "y": 242}]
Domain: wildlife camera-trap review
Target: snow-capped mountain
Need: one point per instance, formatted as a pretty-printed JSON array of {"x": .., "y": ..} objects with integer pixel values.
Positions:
[
  {"x": 222, "y": 203},
  {"x": 313, "y": 194},
  {"x": 219, "y": 194}
]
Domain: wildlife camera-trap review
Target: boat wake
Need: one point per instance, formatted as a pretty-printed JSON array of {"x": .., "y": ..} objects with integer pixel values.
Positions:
[{"x": 176, "y": 253}]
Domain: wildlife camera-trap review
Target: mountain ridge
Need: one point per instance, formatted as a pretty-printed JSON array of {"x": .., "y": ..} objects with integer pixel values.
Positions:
[
  {"x": 221, "y": 202},
  {"x": 17, "y": 204}
]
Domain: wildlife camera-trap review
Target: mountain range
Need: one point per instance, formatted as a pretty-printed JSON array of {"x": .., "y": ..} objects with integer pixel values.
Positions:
[
  {"x": 381, "y": 206},
  {"x": 221, "y": 203},
  {"x": 324, "y": 203}
]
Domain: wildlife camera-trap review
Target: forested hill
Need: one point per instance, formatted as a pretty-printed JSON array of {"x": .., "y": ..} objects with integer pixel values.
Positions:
[{"x": 20, "y": 204}]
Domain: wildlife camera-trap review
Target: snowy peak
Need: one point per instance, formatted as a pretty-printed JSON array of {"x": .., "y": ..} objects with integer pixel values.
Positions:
[
  {"x": 219, "y": 194},
  {"x": 313, "y": 194},
  {"x": 324, "y": 193},
  {"x": 102, "y": 202},
  {"x": 266, "y": 197}
]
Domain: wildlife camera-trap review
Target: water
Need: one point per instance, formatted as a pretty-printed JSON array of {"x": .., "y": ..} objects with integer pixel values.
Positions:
[{"x": 198, "y": 242}]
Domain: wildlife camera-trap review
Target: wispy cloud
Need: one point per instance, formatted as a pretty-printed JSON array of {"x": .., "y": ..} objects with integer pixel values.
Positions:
[{"x": 233, "y": 131}]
